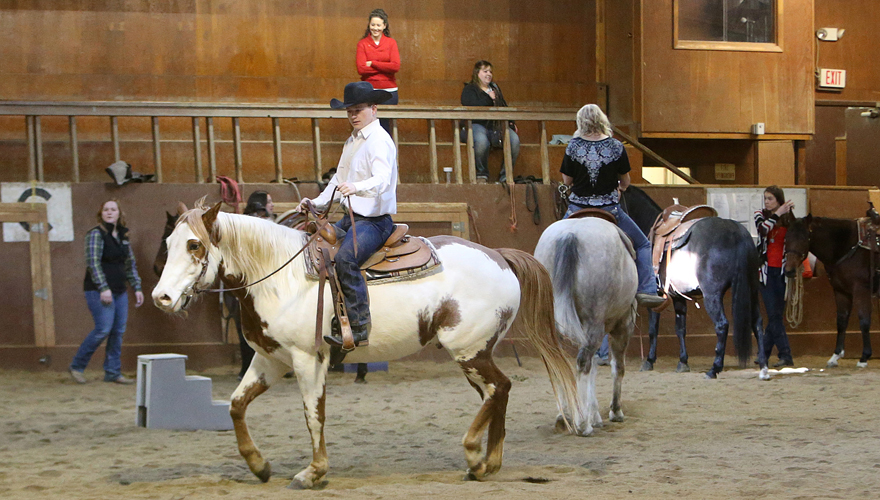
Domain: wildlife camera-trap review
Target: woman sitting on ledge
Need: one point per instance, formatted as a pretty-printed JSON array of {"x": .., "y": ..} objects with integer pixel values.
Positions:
[{"x": 482, "y": 91}]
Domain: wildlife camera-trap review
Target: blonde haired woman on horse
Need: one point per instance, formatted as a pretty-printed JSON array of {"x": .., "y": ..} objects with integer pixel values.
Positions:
[{"x": 596, "y": 169}]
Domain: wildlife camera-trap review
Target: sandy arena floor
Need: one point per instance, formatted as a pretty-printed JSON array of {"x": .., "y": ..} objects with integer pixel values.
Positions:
[{"x": 812, "y": 435}]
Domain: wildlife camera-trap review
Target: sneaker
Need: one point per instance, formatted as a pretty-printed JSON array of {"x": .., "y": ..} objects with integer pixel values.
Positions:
[
  {"x": 783, "y": 362},
  {"x": 649, "y": 300},
  {"x": 122, "y": 379},
  {"x": 482, "y": 179},
  {"x": 78, "y": 377}
]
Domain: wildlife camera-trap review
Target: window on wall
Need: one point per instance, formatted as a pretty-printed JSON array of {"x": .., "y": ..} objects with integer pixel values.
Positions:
[{"x": 750, "y": 25}]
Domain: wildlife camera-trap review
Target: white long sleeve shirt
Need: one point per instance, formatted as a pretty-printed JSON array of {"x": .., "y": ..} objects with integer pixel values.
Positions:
[{"x": 369, "y": 161}]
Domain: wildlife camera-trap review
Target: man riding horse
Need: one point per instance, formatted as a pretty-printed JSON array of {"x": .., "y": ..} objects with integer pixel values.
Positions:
[{"x": 367, "y": 176}]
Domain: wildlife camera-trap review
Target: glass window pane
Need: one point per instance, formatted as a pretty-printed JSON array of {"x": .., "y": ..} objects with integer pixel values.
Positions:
[{"x": 750, "y": 21}]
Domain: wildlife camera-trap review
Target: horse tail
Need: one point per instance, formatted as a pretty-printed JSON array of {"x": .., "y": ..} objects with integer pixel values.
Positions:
[
  {"x": 744, "y": 290},
  {"x": 565, "y": 269},
  {"x": 539, "y": 323}
]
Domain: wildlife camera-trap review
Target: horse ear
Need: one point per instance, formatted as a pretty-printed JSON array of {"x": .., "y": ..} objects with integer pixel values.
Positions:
[
  {"x": 170, "y": 219},
  {"x": 210, "y": 216},
  {"x": 808, "y": 219},
  {"x": 181, "y": 208}
]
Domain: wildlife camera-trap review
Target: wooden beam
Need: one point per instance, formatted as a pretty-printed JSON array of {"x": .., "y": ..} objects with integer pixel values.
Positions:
[
  {"x": 74, "y": 148},
  {"x": 197, "y": 150},
  {"x": 316, "y": 148},
  {"x": 276, "y": 143},
  {"x": 114, "y": 137},
  {"x": 157, "y": 151},
  {"x": 456, "y": 149},
  {"x": 236, "y": 144},
  {"x": 472, "y": 162},
  {"x": 508, "y": 154},
  {"x": 432, "y": 150},
  {"x": 545, "y": 154},
  {"x": 212, "y": 153},
  {"x": 32, "y": 161},
  {"x": 38, "y": 148}
]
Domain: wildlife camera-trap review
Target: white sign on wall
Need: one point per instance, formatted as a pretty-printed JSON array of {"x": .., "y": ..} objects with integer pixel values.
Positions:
[
  {"x": 60, "y": 209},
  {"x": 740, "y": 204},
  {"x": 832, "y": 78}
]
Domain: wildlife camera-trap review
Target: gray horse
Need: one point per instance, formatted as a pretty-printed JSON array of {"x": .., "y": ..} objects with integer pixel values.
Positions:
[{"x": 591, "y": 262}]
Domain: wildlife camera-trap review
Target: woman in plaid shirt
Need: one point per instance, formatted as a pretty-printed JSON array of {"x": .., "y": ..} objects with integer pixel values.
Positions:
[{"x": 110, "y": 267}]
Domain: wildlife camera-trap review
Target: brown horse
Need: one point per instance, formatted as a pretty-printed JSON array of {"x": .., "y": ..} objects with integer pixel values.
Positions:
[{"x": 835, "y": 242}]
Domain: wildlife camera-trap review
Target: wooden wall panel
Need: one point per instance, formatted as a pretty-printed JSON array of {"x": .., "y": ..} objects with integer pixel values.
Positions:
[
  {"x": 711, "y": 91},
  {"x": 855, "y": 52},
  {"x": 254, "y": 50},
  {"x": 775, "y": 163}
]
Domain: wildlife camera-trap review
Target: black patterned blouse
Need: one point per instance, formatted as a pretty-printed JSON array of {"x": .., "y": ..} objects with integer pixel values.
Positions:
[{"x": 595, "y": 166}]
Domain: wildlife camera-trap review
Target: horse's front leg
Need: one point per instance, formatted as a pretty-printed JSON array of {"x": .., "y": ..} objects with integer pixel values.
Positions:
[
  {"x": 681, "y": 310},
  {"x": 262, "y": 373},
  {"x": 844, "y": 307},
  {"x": 311, "y": 376},
  {"x": 653, "y": 330},
  {"x": 715, "y": 310}
]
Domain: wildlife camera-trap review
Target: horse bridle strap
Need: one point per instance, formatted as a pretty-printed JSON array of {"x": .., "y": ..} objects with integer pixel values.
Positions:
[{"x": 321, "y": 223}]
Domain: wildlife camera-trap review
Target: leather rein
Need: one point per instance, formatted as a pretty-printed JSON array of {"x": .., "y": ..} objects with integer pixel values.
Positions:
[{"x": 321, "y": 219}]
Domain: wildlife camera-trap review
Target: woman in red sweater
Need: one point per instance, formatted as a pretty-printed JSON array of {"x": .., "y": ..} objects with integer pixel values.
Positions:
[{"x": 378, "y": 60}]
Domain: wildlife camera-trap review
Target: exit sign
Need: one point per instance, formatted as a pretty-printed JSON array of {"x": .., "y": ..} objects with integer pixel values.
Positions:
[{"x": 832, "y": 78}]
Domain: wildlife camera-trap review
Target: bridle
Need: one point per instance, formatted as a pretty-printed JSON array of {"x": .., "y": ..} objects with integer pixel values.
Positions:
[{"x": 320, "y": 218}]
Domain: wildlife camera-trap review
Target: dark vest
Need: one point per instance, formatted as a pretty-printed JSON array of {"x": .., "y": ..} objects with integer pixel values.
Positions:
[{"x": 112, "y": 260}]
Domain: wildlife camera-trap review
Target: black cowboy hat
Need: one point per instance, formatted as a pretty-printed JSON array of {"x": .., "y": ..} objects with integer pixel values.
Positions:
[{"x": 360, "y": 93}]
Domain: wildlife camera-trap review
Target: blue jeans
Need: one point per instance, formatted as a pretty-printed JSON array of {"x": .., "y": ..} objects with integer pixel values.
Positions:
[
  {"x": 774, "y": 301},
  {"x": 482, "y": 147},
  {"x": 371, "y": 234},
  {"x": 386, "y": 122},
  {"x": 644, "y": 267},
  {"x": 110, "y": 322}
]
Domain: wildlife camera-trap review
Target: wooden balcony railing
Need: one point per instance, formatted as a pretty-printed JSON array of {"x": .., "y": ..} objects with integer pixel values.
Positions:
[{"x": 33, "y": 111}]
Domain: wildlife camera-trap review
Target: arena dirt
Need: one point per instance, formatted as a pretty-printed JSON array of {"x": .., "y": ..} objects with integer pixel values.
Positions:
[{"x": 813, "y": 435}]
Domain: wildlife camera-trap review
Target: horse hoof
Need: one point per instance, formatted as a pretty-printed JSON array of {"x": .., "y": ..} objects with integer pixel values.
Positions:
[
  {"x": 764, "y": 374},
  {"x": 711, "y": 375},
  {"x": 862, "y": 364},
  {"x": 561, "y": 427},
  {"x": 586, "y": 432},
  {"x": 682, "y": 368},
  {"x": 647, "y": 366},
  {"x": 476, "y": 474},
  {"x": 615, "y": 416},
  {"x": 265, "y": 473}
]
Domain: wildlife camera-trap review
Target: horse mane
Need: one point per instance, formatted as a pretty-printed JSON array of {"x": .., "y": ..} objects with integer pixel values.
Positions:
[{"x": 254, "y": 247}]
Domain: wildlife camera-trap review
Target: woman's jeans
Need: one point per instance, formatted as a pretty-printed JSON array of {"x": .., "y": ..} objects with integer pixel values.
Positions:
[
  {"x": 482, "y": 147},
  {"x": 644, "y": 267},
  {"x": 386, "y": 122},
  {"x": 371, "y": 234},
  {"x": 774, "y": 301},
  {"x": 110, "y": 322}
]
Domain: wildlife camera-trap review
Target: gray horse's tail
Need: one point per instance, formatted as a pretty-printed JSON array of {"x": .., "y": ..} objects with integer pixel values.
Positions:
[
  {"x": 565, "y": 270},
  {"x": 744, "y": 291},
  {"x": 539, "y": 324}
]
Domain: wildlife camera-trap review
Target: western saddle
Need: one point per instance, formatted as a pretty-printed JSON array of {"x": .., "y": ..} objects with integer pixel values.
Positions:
[
  {"x": 671, "y": 231},
  {"x": 594, "y": 212},
  {"x": 401, "y": 257}
]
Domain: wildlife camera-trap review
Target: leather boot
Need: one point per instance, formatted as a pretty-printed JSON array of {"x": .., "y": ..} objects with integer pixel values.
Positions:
[
  {"x": 359, "y": 333},
  {"x": 648, "y": 300}
]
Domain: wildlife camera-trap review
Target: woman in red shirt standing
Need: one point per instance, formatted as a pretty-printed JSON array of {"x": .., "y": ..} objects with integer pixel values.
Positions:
[
  {"x": 771, "y": 244},
  {"x": 378, "y": 60}
]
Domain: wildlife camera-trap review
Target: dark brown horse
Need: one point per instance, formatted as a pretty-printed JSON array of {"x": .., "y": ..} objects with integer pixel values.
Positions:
[{"x": 835, "y": 242}]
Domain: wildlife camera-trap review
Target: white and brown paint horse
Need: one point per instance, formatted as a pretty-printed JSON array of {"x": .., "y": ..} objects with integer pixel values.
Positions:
[
  {"x": 467, "y": 309},
  {"x": 591, "y": 262}
]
